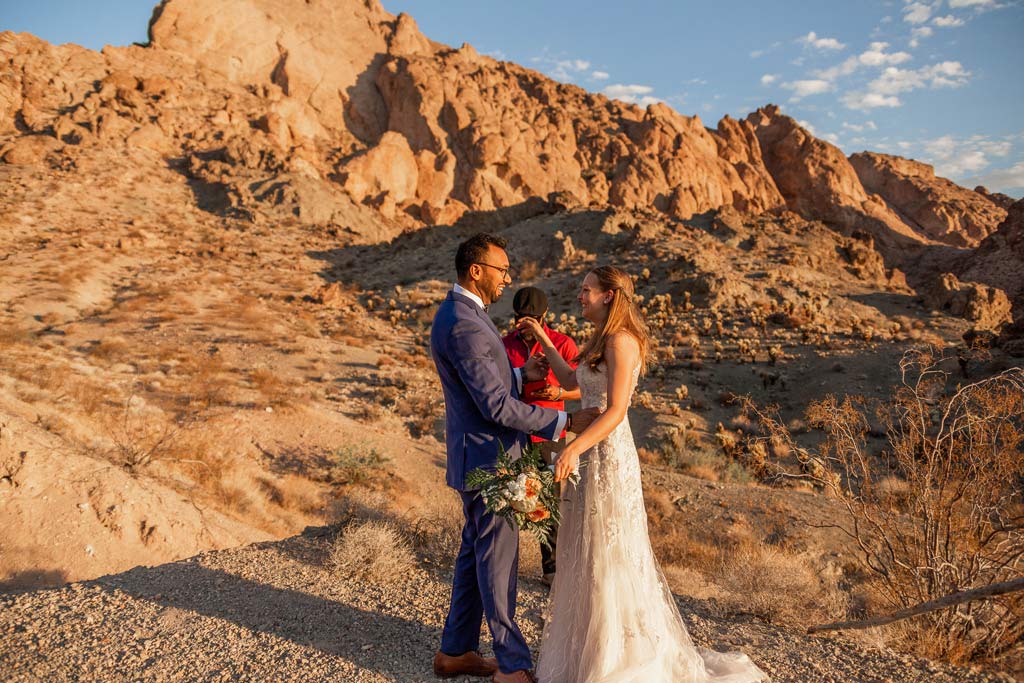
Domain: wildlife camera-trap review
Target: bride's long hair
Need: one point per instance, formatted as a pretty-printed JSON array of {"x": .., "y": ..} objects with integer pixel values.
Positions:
[{"x": 623, "y": 314}]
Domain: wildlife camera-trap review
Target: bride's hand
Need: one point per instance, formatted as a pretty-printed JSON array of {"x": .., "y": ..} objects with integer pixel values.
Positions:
[
  {"x": 534, "y": 327},
  {"x": 565, "y": 465}
]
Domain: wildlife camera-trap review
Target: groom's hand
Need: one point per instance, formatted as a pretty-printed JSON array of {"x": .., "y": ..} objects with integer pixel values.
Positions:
[
  {"x": 581, "y": 419},
  {"x": 536, "y": 369}
]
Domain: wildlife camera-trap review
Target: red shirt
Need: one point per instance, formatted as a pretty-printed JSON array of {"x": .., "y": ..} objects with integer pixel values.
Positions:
[{"x": 519, "y": 351}]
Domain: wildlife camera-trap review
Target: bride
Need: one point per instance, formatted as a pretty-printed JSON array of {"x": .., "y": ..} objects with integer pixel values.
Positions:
[{"x": 612, "y": 617}]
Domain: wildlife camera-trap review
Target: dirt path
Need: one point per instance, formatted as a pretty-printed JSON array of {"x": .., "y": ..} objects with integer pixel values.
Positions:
[{"x": 274, "y": 612}]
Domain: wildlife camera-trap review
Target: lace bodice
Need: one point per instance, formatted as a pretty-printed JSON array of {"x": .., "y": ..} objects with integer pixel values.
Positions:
[{"x": 594, "y": 385}]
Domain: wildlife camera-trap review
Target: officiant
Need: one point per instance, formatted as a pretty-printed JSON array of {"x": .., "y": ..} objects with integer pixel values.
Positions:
[{"x": 532, "y": 302}]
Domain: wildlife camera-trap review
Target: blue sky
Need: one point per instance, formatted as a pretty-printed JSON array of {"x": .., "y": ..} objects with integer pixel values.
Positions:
[{"x": 935, "y": 80}]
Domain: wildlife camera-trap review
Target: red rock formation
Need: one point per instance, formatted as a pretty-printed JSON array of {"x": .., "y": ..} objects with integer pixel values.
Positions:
[
  {"x": 999, "y": 259},
  {"x": 938, "y": 208},
  {"x": 817, "y": 181},
  {"x": 295, "y": 110}
]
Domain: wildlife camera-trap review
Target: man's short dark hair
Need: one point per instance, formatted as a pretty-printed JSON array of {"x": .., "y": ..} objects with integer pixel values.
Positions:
[{"x": 474, "y": 250}]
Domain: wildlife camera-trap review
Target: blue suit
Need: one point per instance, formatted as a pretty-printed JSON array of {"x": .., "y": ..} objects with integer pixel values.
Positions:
[{"x": 483, "y": 413}]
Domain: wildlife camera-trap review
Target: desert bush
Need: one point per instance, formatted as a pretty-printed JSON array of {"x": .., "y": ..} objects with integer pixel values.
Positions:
[
  {"x": 940, "y": 510},
  {"x": 685, "y": 450},
  {"x": 294, "y": 492},
  {"x": 778, "y": 587},
  {"x": 436, "y": 530},
  {"x": 275, "y": 388},
  {"x": 372, "y": 551},
  {"x": 353, "y": 464},
  {"x": 140, "y": 434},
  {"x": 12, "y": 333}
]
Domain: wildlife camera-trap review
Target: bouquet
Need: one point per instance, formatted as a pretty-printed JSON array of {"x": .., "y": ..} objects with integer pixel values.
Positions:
[{"x": 522, "y": 491}]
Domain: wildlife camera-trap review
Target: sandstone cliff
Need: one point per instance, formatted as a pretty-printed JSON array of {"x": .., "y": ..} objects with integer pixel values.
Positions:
[
  {"x": 341, "y": 114},
  {"x": 999, "y": 259},
  {"x": 818, "y": 181},
  {"x": 938, "y": 208}
]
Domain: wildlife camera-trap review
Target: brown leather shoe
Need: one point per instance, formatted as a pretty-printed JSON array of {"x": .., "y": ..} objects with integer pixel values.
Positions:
[
  {"x": 521, "y": 676},
  {"x": 467, "y": 664}
]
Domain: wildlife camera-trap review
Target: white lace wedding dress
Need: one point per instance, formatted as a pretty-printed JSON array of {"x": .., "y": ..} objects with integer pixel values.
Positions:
[{"x": 611, "y": 617}]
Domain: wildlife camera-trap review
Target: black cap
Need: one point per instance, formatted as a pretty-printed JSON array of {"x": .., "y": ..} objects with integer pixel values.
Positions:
[{"x": 530, "y": 301}]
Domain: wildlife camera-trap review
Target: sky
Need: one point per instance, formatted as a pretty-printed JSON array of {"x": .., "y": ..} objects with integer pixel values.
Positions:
[{"x": 940, "y": 81}]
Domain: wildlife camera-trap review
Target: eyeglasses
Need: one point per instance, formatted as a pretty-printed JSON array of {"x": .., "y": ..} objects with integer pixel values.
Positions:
[{"x": 503, "y": 271}]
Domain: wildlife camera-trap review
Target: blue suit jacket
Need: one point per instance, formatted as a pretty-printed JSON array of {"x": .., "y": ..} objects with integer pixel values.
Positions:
[{"x": 481, "y": 401}]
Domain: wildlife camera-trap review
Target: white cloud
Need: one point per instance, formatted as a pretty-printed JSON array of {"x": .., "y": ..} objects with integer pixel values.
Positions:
[
  {"x": 808, "y": 127},
  {"x": 955, "y": 4},
  {"x": 813, "y": 40},
  {"x": 948, "y": 21},
  {"x": 621, "y": 90},
  {"x": 869, "y": 100},
  {"x": 943, "y": 75},
  {"x": 807, "y": 87},
  {"x": 874, "y": 56},
  {"x": 917, "y": 13},
  {"x": 768, "y": 79},
  {"x": 497, "y": 54},
  {"x": 919, "y": 32},
  {"x": 599, "y": 75},
  {"x": 860, "y": 127},
  {"x": 632, "y": 94},
  {"x": 954, "y": 158},
  {"x": 1009, "y": 180},
  {"x": 754, "y": 54},
  {"x": 560, "y": 68}
]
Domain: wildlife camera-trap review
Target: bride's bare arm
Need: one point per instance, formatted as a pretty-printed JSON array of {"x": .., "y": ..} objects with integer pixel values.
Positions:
[
  {"x": 565, "y": 373},
  {"x": 621, "y": 354}
]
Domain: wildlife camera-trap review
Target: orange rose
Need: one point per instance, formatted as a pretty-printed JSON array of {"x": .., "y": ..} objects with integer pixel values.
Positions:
[
  {"x": 533, "y": 487},
  {"x": 538, "y": 515}
]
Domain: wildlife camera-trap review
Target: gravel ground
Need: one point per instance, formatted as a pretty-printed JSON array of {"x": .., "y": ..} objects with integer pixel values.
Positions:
[{"x": 274, "y": 612}]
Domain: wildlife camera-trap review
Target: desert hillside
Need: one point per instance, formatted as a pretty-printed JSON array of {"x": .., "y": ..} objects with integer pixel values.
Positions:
[{"x": 220, "y": 254}]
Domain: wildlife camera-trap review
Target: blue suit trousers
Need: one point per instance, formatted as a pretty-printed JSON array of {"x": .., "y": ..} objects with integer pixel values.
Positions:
[{"x": 489, "y": 559}]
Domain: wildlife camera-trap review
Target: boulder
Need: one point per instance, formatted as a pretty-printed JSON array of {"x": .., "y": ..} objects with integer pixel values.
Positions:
[
  {"x": 987, "y": 307},
  {"x": 29, "y": 150},
  {"x": 999, "y": 259}
]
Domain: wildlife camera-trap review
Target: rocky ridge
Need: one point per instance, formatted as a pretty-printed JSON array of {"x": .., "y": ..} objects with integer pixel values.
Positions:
[{"x": 272, "y": 116}]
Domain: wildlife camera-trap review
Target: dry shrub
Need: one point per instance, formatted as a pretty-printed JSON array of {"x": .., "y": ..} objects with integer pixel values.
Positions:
[
  {"x": 691, "y": 583},
  {"x": 372, "y": 551},
  {"x": 528, "y": 271},
  {"x": 13, "y": 334},
  {"x": 110, "y": 348},
  {"x": 273, "y": 387},
  {"x": 777, "y": 587},
  {"x": 294, "y": 492},
  {"x": 358, "y": 504},
  {"x": 687, "y": 450},
  {"x": 939, "y": 511},
  {"x": 436, "y": 530},
  {"x": 207, "y": 380},
  {"x": 238, "y": 491},
  {"x": 356, "y": 464}
]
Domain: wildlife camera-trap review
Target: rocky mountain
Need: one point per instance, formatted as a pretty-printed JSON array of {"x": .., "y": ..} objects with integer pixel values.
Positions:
[
  {"x": 220, "y": 254},
  {"x": 934, "y": 206},
  {"x": 999, "y": 259},
  {"x": 273, "y": 116}
]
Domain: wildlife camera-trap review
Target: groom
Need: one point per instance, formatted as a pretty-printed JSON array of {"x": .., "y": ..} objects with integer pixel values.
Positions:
[{"x": 483, "y": 413}]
